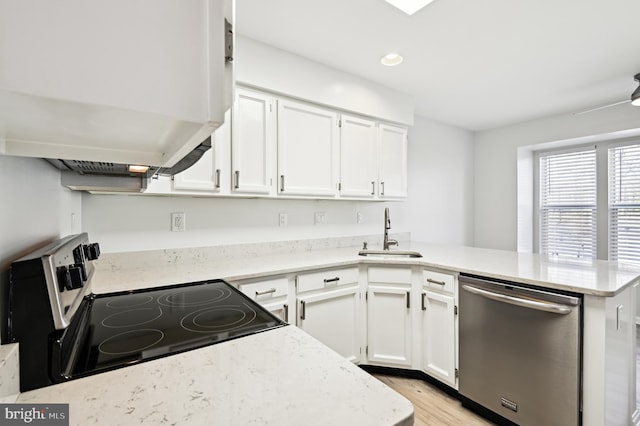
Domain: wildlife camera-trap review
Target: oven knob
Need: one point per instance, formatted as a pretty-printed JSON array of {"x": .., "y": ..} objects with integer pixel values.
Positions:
[
  {"x": 64, "y": 278},
  {"x": 77, "y": 278},
  {"x": 92, "y": 251}
]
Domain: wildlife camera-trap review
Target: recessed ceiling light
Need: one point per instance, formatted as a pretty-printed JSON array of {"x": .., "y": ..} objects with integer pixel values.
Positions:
[
  {"x": 409, "y": 6},
  {"x": 391, "y": 60}
]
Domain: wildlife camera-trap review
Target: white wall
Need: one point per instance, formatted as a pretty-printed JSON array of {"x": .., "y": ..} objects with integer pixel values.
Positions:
[
  {"x": 130, "y": 222},
  {"x": 439, "y": 206},
  {"x": 496, "y": 172},
  {"x": 36, "y": 209},
  {"x": 267, "y": 67}
]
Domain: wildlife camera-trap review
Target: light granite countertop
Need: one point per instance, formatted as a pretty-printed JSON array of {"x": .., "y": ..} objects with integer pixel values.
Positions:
[
  {"x": 277, "y": 377},
  {"x": 128, "y": 271}
]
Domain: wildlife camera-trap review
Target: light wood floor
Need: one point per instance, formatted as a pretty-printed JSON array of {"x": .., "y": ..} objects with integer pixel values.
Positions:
[{"x": 432, "y": 407}]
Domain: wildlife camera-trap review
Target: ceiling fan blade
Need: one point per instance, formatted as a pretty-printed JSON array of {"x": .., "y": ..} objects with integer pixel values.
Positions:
[{"x": 601, "y": 107}]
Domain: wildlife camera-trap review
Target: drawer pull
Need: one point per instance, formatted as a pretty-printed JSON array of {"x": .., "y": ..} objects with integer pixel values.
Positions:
[
  {"x": 263, "y": 292},
  {"x": 429, "y": 280},
  {"x": 331, "y": 280}
]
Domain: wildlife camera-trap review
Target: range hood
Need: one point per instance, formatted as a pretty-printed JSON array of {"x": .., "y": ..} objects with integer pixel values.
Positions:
[{"x": 98, "y": 176}]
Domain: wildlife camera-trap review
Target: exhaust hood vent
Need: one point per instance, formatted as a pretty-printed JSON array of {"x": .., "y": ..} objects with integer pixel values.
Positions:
[{"x": 97, "y": 176}]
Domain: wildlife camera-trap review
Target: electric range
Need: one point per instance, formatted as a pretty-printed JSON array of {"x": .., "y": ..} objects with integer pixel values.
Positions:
[{"x": 66, "y": 332}]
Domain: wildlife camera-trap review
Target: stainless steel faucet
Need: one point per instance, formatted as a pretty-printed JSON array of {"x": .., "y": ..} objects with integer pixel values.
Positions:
[{"x": 387, "y": 225}]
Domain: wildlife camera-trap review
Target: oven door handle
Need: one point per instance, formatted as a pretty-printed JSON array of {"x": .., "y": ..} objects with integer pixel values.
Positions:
[{"x": 554, "y": 308}]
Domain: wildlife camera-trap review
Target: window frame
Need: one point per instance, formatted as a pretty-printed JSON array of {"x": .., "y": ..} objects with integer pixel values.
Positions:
[{"x": 603, "y": 237}]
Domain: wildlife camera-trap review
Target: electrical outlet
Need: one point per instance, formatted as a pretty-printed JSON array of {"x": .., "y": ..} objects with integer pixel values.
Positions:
[
  {"x": 319, "y": 218},
  {"x": 359, "y": 217},
  {"x": 282, "y": 220},
  {"x": 178, "y": 222}
]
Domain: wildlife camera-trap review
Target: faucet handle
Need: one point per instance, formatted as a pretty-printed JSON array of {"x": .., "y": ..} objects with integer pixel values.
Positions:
[{"x": 364, "y": 245}]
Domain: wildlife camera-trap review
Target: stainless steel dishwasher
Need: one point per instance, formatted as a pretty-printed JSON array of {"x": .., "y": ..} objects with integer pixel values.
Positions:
[{"x": 520, "y": 352}]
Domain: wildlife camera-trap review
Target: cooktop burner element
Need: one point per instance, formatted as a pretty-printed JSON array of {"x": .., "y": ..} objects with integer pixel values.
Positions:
[{"x": 125, "y": 328}]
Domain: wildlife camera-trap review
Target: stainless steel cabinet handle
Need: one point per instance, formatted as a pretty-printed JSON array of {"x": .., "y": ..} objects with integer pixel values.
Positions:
[
  {"x": 263, "y": 292},
  {"x": 429, "y": 280},
  {"x": 236, "y": 184},
  {"x": 618, "y": 314},
  {"x": 424, "y": 307},
  {"x": 382, "y": 188},
  {"x": 373, "y": 187},
  {"x": 331, "y": 280},
  {"x": 285, "y": 312},
  {"x": 408, "y": 300},
  {"x": 281, "y": 183},
  {"x": 554, "y": 308},
  {"x": 217, "y": 184},
  {"x": 303, "y": 312}
]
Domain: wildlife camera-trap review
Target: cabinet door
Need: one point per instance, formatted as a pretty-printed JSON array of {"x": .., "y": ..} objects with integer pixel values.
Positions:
[
  {"x": 438, "y": 336},
  {"x": 333, "y": 317},
  {"x": 307, "y": 150},
  {"x": 358, "y": 154},
  {"x": 389, "y": 322},
  {"x": 280, "y": 309},
  {"x": 393, "y": 162},
  {"x": 252, "y": 142},
  {"x": 211, "y": 171}
]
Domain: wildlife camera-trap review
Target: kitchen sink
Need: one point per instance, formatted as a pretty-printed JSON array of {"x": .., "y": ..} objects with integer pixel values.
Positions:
[{"x": 389, "y": 253}]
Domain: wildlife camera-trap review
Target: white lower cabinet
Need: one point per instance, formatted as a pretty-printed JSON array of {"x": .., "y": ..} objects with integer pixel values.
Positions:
[
  {"x": 272, "y": 293},
  {"x": 438, "y": 337},
  {"x": 439, "y": 334},
  {"x": 390, "y": 330},
  {"x": 328, "y": 304},
  {"x": 333, "y": 318}
]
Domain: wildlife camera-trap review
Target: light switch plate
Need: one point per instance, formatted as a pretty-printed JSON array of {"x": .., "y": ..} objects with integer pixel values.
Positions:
[{"x": 319, "y": 218}]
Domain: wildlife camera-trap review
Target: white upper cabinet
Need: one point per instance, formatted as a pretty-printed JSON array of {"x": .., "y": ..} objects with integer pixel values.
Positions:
[
  {"x": 358, "y": 157},
  {"x": 307, "y": 150},
  {"x": 252, "y": 142},
  {"x": 393, "y": 162},
  {"x": 211, "y": 173},
  {"x": 140, "y": 81}
]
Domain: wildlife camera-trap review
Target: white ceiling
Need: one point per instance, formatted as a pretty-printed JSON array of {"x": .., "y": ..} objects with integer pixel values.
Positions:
[{"x": 476, "y": 64}]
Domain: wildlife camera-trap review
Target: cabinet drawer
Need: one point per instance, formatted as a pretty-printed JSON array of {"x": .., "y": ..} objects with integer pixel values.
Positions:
[
  {"x": 327, "y": 279},
  {"x": 265, "y": 290},
  {"x": 438, "y": 281},
  {"x": 389, "y": 275}
]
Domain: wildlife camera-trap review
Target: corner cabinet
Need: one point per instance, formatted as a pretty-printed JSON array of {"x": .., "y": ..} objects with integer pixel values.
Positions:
[
  {"x": 328, "y": 306},
  {"x": 307, "y": 150},
  {"x": 252, "y": 143},
  {"x": 390, "y": 331},
  {"x": 393, "y": 162}
]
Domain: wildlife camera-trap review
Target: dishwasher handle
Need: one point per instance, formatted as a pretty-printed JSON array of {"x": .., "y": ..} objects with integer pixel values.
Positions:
[{"x": 555, "y": 308}]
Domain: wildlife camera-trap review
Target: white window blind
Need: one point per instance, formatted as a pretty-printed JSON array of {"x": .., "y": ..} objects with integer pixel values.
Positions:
[
  {"x": 568, "y": 205},
  {"x": 624, "y": 203}
]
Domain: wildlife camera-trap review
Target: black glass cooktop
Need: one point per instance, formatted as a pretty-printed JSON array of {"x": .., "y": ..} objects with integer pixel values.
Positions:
[{"x": 125, "y": 328}]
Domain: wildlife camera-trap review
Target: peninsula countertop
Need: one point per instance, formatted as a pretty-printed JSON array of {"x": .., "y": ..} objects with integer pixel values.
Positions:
[
  {"x": 127, "y": 271},
  {"x": 277, "y": 377}
]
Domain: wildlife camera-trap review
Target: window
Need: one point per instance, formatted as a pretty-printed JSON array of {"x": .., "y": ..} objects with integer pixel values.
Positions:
[
  {"x": 567, "y": 203},
  {"x": 579, "y": 188},
  {"x": 624, "y": 203}
]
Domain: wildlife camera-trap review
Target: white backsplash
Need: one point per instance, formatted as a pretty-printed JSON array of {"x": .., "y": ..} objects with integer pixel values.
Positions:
[{"x": 152, "y": 258}]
